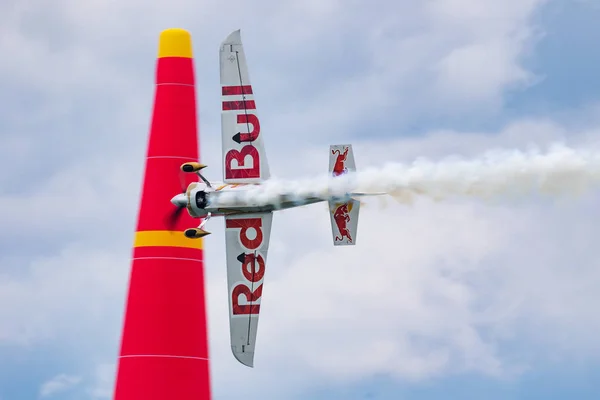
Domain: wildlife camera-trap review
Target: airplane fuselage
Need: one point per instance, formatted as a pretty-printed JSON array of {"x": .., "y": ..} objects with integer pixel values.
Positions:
[{"x": 230, "y": 199}]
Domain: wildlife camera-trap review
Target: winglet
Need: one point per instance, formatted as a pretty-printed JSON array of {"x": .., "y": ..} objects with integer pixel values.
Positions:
[
  {"x": 246, "y": 358},
  {"x": 234, "y": 37},
  {"x": 175, "y": 42}
]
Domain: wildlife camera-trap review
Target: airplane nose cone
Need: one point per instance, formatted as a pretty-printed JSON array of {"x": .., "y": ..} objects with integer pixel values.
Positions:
[{"x": 179, "y": 200}]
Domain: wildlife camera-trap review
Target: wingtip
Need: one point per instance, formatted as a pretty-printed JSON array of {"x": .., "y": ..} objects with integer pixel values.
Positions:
[
  {"x": 234, "y": 37},
  {"x": 246, "y": 358}
]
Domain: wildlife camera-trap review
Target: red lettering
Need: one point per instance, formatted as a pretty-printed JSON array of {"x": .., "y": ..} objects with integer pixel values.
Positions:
[
  {"x": 252, "y": 274},
  {"x": 236, "y": 90},
  {"x": 252, "y": 135},
  {"x": 245, "y": 309},
  {"x": 244, "y": 224},
  {"x": 239, "y": 105},
  {"x": 251, "y": 271},
  {"x": 240, "y": 156}
]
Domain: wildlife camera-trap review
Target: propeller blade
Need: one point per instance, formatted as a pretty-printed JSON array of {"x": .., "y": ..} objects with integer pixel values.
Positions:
[
  {"x": 182, "y": 181},
  {"x": 173, "y": 217}
]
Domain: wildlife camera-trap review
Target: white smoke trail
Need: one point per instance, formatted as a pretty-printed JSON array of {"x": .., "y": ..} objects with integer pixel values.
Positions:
[{"x": 500, "y": 173}]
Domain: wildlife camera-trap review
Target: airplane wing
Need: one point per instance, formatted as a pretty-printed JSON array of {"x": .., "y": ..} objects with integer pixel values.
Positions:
[
  {"x": 247, "y": 243},
  {"x": 244, "y": 158}
]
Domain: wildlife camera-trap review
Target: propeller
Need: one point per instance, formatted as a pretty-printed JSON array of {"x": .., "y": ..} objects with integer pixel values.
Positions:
[
  {"x": 173, "y": 217},
  {"x": 180, "y": 201}
]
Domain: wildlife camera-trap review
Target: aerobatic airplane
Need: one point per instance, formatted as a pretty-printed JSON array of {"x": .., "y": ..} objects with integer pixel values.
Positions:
[{"x": 248, "y": 225}]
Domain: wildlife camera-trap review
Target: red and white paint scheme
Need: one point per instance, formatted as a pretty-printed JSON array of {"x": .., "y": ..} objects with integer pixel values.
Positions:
[{"x": 247, "y": 224}]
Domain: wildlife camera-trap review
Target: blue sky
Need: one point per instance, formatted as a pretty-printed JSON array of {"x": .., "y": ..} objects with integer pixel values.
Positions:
[
  {"x": 564, "y": 58},
  {"x": 493, "y": 301}
]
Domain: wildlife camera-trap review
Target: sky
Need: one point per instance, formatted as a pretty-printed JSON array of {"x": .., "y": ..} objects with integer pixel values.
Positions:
[{"x": 456, "y": 299}]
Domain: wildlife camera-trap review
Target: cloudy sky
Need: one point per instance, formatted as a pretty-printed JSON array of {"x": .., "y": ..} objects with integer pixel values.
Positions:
[{"x": 460, "y": 299}]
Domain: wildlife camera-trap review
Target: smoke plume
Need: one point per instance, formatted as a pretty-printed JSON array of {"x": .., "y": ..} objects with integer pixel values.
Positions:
[{"x": 496, "y": 174}]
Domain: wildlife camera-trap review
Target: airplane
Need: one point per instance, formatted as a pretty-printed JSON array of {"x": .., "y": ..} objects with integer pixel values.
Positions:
[{"x": 247, "y": 224}]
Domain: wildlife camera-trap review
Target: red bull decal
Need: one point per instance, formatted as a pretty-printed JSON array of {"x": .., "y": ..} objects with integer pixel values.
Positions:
[
  {"x": 252, "y": 265},
  {"x": 247, "y": 118},
  {"x": 341, "y": 216},
  {"x": 339, "y": 167},
  {"x": 236, "y": 90},
  {"x": 240, "y": 157},
  {"x": 239, "y": 105}
]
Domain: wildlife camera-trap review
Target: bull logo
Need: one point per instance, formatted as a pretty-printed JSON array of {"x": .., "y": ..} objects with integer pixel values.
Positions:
[
  {"x": 341, "y": 216},
  {"x": 339, "y": 167}
]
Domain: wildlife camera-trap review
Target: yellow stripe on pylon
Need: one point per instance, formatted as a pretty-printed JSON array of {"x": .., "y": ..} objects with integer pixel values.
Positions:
[{"x": 166, "y": 239}]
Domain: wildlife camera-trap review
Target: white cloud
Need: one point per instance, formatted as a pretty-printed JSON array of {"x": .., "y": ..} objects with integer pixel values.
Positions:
[
  {"x": 59, "y": 383},
  {"x": 430, "y": 290},
  {"x": 81, "y": 282},
  {"x": 319, "y": 67}
]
